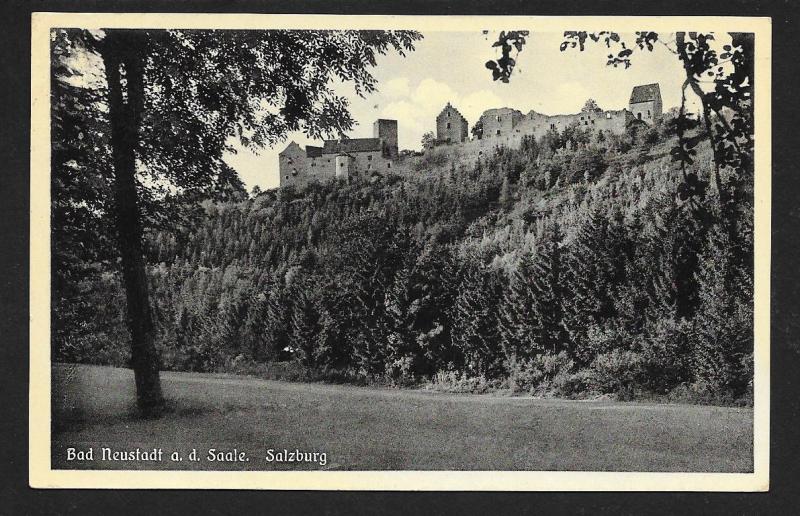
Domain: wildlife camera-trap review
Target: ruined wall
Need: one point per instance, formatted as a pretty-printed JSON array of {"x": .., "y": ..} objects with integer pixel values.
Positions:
[
  {"x": 499, "y": 122},
  {"x": 296, "y": 168},
  {"x": 365, "y": 163},
  {"x": 647, "y": 111},
  {"x": 537, "y": 124}
]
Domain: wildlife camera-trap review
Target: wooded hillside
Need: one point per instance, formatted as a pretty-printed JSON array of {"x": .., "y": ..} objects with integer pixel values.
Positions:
[{"x": 567, "y": 267}]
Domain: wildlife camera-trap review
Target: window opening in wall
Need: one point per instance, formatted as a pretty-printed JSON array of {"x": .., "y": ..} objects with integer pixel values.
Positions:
[
  {"x": 648, "y": 113},
  {"x": 498, "y": 118},
  {"x": 592, "y": 122},
  {"x": 498, "y": 132},
  {"x": 388, "y": 164},
  {"x": 639, "y": 115},
  {"x": 369, "y": 158},
  {"x": 448, "y": 125}
]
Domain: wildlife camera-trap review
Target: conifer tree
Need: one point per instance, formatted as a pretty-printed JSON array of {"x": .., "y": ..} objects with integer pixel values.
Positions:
[
  {"x": 304, "y": 323},
  {"x": 547, "y": 291},
  {"x": 723, "y": 325},
  {"x": 475, "y": 313},
  {"x": 593, "y": 270},
  {"x": 516, "y": 311}
]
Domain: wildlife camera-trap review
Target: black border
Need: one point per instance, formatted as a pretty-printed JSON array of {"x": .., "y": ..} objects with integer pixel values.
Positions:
[{"x": 17, "y": 498}]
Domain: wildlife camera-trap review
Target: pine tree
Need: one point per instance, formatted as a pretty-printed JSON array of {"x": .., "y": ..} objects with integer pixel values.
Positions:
[
  {"x": 515, "y": 320},
  {"x": 532, "y": 311},
  {"x": 594, "y": 266},
  {"x": 547, "y": 291},
  {"x": 304, "y": 323},
  {"x": 724, "y": 322},
  {"x": 475, "y": 313}
]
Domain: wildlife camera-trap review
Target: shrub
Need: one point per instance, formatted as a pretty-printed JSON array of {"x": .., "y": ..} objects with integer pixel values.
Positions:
[
  {"x": 666, "y": 352},
  {"x": 399, "y": 372},
  {"x": 617, "y": 372},
  {"x": 453, "y": 381},
  {"x": 545, "y": 374},
  {"x": 651, "y": 136}
]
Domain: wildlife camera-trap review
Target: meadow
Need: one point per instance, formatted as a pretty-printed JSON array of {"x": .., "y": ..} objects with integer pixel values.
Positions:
[{"x": 371, "y": 428}]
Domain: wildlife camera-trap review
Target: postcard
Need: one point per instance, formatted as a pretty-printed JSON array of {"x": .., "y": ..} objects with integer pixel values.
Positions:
[{"x": 400, "y": 252}]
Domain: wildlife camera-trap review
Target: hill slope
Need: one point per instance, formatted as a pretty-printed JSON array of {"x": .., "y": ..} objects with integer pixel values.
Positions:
[{"x": 567, "y": 267}]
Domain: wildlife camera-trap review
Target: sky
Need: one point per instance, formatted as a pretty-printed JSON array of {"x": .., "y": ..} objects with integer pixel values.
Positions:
[{"x": 450, "y": 67}]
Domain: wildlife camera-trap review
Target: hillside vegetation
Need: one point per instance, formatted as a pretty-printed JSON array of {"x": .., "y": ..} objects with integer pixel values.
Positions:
[{"x": 568, "y": 267}]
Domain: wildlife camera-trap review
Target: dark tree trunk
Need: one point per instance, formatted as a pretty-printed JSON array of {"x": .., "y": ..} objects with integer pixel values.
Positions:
[{"x": 122, "y": 57}]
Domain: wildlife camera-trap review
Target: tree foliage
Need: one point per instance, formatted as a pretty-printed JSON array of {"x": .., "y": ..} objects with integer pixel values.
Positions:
[
  {"x": 165, "y": 107},
  {"x": 503, "y": 66}
]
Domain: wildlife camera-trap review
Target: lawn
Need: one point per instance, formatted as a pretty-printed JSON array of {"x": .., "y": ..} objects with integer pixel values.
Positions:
[{"x": 363, "y": 428}]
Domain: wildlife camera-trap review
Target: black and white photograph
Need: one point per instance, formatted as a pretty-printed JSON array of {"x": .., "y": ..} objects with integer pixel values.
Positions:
[{"x": 400, "y": 252}]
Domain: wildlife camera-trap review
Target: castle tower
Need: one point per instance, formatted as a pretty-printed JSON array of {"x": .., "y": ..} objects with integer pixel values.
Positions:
[
  {"x": 386, "y": 130},
  {"x": 645, "y": 102},
  {"x": 344, "y": 165},
  {"x": 451, "y": 126}
]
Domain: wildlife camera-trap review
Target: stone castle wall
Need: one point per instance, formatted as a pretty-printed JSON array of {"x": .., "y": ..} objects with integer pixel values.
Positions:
[
  {"x": 500, "y": 122},
  {"x": 646, "y": 111},
  {"x": 502, "y": 127},
  {"x": 297, "y": 169}
]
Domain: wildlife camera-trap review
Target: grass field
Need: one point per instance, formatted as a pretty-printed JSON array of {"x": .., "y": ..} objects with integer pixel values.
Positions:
[{"x": 378, "y": 429}]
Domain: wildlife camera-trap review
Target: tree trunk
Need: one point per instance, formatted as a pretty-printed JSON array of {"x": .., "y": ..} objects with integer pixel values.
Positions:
[{"x": 122, "y": 58}]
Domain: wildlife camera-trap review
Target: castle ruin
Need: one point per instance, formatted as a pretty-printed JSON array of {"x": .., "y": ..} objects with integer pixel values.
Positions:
[
  {"x": 342, "y": 158},
  {"x": 451, "y": 126},
  {"x": 501, "y": 127}
]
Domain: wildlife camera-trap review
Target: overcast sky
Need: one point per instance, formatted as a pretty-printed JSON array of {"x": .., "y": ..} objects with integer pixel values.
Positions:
[{"x": 449, "y": 67}]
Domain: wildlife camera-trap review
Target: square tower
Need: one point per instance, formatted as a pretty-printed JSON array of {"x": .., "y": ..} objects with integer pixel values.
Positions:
[
  {"x": 386, "y": 130},
  {"x": 645, "y": 102}
]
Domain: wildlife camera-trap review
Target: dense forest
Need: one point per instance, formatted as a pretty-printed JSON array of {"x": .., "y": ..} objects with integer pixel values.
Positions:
[{"x": 571, "y": 266}]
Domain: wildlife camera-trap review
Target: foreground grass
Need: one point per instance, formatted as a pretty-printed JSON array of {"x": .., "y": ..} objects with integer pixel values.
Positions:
[{"x": 378, "y": 429}]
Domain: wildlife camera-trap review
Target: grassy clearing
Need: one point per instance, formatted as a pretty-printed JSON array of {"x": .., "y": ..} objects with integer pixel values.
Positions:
[{"x": 378, "y": 429}]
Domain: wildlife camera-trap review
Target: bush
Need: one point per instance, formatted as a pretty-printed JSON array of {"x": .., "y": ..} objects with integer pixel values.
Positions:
[
  {"x": 453, "y": 381},
  {"x": 399, "y": 372},
  {"x": 703, "y": 393},
  {"x": 545, "y": 375},
  {"x": 617, "y": 372},
  {"x": 651, "y": 136},
  {"x": 666, "y": 350}
]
